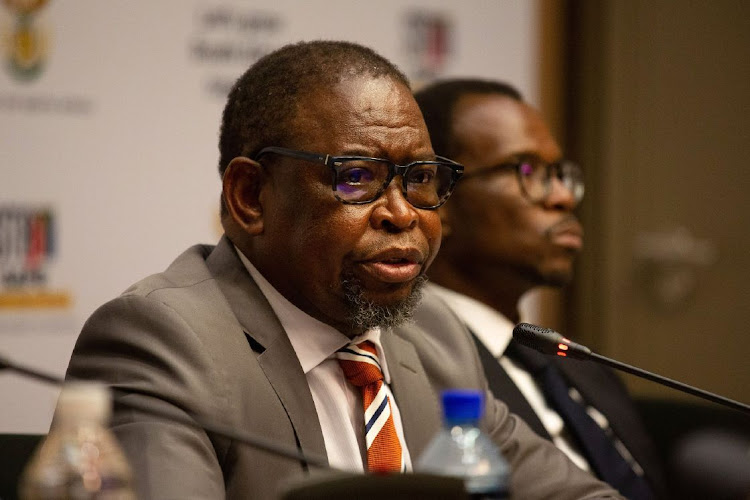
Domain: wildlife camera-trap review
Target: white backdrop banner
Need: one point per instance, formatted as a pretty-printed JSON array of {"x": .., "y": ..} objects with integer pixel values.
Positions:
[{"x": 109, "y": 119}]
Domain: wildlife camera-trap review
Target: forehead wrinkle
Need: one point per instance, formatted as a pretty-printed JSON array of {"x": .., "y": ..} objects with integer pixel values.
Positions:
[
  {"x": 403, "y": 128},
  {"x": 396, "y": 115},
  {"x": 381, "y": 139},
  {"x": 364, "y": 117}
]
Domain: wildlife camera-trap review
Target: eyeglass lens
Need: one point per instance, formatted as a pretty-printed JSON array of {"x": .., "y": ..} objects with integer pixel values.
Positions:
[
  {"x": 362, "y": 181},
  {"x": 536, "y": 179}
]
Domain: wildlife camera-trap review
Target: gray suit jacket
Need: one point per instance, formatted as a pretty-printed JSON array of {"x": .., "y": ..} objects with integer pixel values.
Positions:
[{"x": 201, "y": 339}]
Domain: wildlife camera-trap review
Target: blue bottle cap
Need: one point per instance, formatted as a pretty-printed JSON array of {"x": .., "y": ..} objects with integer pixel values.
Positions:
[{"x": 460, "y": 405}]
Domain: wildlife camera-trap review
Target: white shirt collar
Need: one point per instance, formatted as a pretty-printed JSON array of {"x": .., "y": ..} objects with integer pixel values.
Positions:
[
  {"x": 313, "y": 341},
  {"x": 493, "y": 329}
]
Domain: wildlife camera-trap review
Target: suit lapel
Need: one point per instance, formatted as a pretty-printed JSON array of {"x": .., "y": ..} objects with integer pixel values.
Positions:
[
  {"x": 602, "y": 390},
  {"x": 280, "y": 364},
  {"x": 414, "y": 395},
  {"x": 503, "y": 387},
  {"x": 277, "y": 357}
]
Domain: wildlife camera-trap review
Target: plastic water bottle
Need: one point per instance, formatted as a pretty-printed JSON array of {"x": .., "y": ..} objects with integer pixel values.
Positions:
[
  {"x": 80, "y": 458},
  {"x": 462, "y": 450}
]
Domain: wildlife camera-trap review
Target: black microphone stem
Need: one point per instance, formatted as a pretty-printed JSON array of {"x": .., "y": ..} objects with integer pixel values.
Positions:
[
  {"x": 548, "y": 341},
  {"x": 252, "y": 440},
  {"x": 670, "y": 383},
  {"x": 243, "y": 437},
  {"x": 6, "y": 364}
]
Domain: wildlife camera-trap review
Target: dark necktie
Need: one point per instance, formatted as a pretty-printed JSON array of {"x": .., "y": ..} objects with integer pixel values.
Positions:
[{"x": 608, "y": 464}]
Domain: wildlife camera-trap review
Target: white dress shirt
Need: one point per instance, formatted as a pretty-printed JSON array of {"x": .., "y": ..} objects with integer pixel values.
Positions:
[
  {"x": 495, "y": 331},
  {"x": 337, "y": 402}
]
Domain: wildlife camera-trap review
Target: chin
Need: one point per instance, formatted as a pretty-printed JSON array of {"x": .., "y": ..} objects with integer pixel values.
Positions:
[
  {"x": 390, "y": 295},
  {"x": 384, "y": 308}
]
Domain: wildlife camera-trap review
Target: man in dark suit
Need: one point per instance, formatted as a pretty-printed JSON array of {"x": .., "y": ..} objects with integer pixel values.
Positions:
[
  {"x": 330, "y": 190},
  {"x": 509, "y": 228}
]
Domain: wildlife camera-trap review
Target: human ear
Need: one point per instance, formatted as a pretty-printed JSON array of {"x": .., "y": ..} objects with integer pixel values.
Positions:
[{"x": 241, "y": 185}]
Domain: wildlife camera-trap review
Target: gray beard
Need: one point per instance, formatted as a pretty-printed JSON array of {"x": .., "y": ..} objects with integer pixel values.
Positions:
[{"x": 364, "y": 315}]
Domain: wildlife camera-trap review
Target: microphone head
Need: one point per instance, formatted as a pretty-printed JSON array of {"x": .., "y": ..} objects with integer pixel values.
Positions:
[
  {"x": 540, "y": 339},
  {"x": 548, "y": 341}
]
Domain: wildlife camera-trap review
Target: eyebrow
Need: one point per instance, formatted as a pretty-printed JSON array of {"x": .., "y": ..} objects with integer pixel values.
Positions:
[
  {"x": 523, "y": 155},
  {"x": 427, "y": 157},
  {"x": 526, "y": 156}
]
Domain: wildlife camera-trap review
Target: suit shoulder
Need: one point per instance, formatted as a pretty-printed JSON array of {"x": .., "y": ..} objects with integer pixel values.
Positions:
[
  {"x": 187, "y": 269},
  {"x": 184, "y": 296},
  {"x": 443, "y": 344},
  {"x": 434, "y": 313}
]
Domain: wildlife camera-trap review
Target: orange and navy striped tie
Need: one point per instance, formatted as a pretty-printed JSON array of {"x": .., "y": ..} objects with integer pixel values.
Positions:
[{"x": 362, "y": 368}]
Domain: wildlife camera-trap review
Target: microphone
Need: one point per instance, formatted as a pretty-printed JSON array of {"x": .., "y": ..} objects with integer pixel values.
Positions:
[
  {"x": 190, "y": 420},
  {"x": 548, "y": 341}
]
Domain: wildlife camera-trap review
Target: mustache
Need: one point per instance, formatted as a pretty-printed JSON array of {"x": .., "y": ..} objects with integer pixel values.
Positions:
[
  {"x": 569, "y": 222},
  {"x": 408, "y": 249}
]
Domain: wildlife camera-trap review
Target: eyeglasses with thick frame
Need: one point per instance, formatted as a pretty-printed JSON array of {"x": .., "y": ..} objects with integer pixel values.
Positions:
[
  {"x": 357, "y": 180},
  {"x": 535, "y": 177}
]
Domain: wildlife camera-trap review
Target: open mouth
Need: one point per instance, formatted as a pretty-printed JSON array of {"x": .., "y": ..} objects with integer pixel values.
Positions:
[
  {"x": 392, "y": 271},
  {"x": 394, "y": 266}
]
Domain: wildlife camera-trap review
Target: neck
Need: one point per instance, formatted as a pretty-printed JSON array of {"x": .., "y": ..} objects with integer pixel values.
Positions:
[{"x": 497, "y": 288}]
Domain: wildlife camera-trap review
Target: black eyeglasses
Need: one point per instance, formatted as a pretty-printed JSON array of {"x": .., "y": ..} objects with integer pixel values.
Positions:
[
  {"x": 358, "y": 180},
  {"x": 535, "y": 177}
]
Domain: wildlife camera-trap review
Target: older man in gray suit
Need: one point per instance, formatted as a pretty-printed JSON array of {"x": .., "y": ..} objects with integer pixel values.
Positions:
[{"x": 330, "y": 187}]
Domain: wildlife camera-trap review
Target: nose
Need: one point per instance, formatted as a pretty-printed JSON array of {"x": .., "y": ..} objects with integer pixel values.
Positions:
[
  {"x": 392, "y": 211},
  {"x": 560, "y": 197}
]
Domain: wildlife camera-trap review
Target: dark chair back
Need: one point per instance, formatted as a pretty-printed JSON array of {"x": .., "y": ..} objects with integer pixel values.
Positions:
[
  {"x": 705, "y": 448},
  {"x": 15, "y": 452}
]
